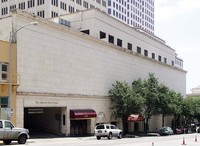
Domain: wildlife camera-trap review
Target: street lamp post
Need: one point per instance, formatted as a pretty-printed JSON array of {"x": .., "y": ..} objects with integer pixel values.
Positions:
[{"x": 10, "y": 66}]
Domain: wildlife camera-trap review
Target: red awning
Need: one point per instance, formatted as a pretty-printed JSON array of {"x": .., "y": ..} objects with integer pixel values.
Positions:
[
  {"x": 135, "y": 118},
  {"x": 82, "y": 113}
]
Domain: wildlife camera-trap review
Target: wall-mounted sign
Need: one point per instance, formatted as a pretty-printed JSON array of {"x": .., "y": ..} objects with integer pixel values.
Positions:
[
  {"x": 100, "y": 115},
  {"x": 46, "y": 102}
]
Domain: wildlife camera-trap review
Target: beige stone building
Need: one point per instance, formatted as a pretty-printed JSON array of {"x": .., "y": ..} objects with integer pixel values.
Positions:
[{"x": 67, "y": 70}]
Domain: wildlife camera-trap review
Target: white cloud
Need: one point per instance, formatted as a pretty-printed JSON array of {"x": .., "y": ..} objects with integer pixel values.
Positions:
[
  {"x": 177, "y": 22},
  {"x": 189, "y": 5},
  {"x": 171, "y": 8}
]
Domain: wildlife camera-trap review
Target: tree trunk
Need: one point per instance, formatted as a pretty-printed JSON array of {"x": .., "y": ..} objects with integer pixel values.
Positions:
[
  {"x": 124, "y": 120},
  {"x": 146, "y": 127},
  {"x": 163, "y": 120}
]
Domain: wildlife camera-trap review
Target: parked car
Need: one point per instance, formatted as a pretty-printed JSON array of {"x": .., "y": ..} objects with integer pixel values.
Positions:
[
  {"x": 178, "y": 131},
  {"x": 166, "y": 131},
  {"x": 198, "y": 129},
  {"x": 107, "y": 130},
  {"x": 9, "y": 133}
]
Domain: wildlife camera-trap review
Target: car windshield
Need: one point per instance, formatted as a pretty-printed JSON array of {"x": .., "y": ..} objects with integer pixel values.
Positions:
[
  {"x": 165, "y": 128},
  {"x": 100, "y": 127}
]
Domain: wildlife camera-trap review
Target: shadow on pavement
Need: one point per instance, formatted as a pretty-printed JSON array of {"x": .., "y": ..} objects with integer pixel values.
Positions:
[{"x": 35, "y": 134}]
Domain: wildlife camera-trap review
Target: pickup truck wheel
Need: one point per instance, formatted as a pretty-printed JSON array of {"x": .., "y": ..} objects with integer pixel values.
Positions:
[
  {"x": 7, "y": 142},
  {"x": 22, "y": 139},
  {"x": 110, "y": 136}
]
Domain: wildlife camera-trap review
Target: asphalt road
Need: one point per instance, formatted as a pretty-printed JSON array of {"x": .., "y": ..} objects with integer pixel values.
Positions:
[{"x": 173, "y": 140}]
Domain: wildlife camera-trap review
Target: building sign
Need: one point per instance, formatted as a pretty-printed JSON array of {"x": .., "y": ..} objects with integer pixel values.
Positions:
[
  {"x": 46, "y": 102},
  {"x": 9, "y": 111},
  {"x": 101, "y": 115}
]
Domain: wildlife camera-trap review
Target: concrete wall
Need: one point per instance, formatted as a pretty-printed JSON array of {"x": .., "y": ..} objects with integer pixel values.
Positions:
[
  {"x": 50, "y": 55},
  {"x": 97, "y": 21}
]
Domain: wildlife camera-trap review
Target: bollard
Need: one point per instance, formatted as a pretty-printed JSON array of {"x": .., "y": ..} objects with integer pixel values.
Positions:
[
  {"x": 183, "y": 141},
  {"x": 195, "y": 138},
  {"x": 152, "y": 143}
]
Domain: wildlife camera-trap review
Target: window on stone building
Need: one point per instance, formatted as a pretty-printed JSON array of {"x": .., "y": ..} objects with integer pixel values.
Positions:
[
  {"x": 86, "y": 31},
  {"x": 54, "y": 14},
  {"x": 41, "y": 14},
  {"x": 111, "y": 39},
  {"x": 4, "y": 102},
  {"x": 153, "y": 55},
  {"x": 98, "y": 1},
  {"x": 3, "y": 72},
  {"x": 31, "y": 3},
  {"x": 40, "y": 2},
  {"x": 4, "y": 11},
  {"x": 172, "y": 63},
  {"x": 139, "y": 50},
  {"x": 102, "y": 35},
  {"x": 159, "y": 58},
  {"x": 109, "y": 11},
  {"x": 129, "y": 46},
  {"x": 119, "y": 42},
  {"x": 103, "y": 3},
  {"x": 109, "y": 2},
  {"x": 85, "y": 4},
  {"x": 22, "y": 5},
  {"x": 145, "y": 53},
  {"x": 79, "y": 2},
  {"x": 54, "y": 2},
  {"x": 165, "y": 60}
]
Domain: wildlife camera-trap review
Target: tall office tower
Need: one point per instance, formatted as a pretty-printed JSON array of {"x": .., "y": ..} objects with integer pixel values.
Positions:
[
  {"x": 135, "y": 13},
  {"x": 50, "y": 8}
]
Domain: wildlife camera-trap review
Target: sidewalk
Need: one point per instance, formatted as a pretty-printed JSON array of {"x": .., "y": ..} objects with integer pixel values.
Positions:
[{"x": 32, "y": 140}]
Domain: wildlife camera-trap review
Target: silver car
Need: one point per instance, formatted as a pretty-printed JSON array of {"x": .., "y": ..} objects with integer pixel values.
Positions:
[
  {"x": 166, "y": 131},
  {"x": 107, "y": 130}
]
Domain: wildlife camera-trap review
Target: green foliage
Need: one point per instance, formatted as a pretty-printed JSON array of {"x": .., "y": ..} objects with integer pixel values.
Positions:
[
  {"x": 168, "y": 103},
  {"x": 124, "y": 99},
  {"x": 176, "y": 103},
  {"x": 150, "y": 94},
  {"x": 191, "y": 108},
  {"x": 147, "y": 97}
]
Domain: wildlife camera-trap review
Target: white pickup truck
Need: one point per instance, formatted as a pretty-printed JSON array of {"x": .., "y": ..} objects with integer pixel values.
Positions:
[{"x": 9, "y": 133}]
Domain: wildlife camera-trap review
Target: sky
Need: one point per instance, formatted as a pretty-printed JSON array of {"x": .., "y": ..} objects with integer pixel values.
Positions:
[{"x": 178, "y": 23}]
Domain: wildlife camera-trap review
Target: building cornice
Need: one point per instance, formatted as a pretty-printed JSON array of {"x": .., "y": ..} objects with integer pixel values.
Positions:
[{"x": 24, "y": 93}]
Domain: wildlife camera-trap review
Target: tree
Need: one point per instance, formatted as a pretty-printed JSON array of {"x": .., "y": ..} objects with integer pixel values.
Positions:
[
  {"x": 124, "y": 101},
  {"x": 150, "y": 95},
  {"x": 147, "y": 97},
  {"x": 163, "y": 102},
  {"x": 168, "y": 103},
  {"x": 176, "y": 106},
  {"x": 148, "y": 90},
  {"x": 191, "y": 108}
]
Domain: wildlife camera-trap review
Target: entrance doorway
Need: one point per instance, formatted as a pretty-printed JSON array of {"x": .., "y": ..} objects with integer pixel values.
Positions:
[
  {"x": 136, "y": 128},
  {"x": 43, "y": 120},
  {"x": 78, "y": 128}
]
